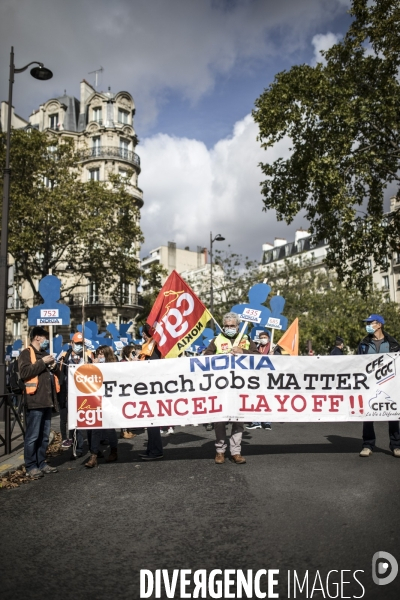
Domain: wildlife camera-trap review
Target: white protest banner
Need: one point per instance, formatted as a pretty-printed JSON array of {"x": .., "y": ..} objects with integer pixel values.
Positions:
[{"x": 225, "y": 387}]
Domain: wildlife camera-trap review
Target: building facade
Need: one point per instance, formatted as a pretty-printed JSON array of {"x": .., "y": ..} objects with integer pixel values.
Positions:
[
  {"x": 305, "y": 251},
  {"x": 101, "y": 125},
  {"x": 172, "y": 258}
]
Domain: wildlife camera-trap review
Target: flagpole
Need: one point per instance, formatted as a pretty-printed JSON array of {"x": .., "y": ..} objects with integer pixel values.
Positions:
[{"x": 83, "y": 329}]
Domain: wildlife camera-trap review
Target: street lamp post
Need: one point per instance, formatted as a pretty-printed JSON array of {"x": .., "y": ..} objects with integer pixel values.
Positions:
[
  {"x": 218, "y": 238},
  {"x": 38, "y": 72}
]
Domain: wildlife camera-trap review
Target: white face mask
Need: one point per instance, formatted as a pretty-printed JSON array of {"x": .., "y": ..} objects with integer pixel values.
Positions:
[
  {"x": 102, "y": 359},
  {"x": 264, "y": 341},
  {"x": 230, "y": 331}
]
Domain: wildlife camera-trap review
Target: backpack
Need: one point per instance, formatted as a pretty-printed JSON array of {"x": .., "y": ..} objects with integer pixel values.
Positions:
[{"x": 15, "y": 383}]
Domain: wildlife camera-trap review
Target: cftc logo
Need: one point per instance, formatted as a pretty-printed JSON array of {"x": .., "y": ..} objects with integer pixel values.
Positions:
[{"x": 384, "y": 568}]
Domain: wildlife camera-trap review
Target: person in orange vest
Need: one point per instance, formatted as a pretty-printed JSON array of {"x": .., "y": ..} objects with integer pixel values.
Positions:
[{"x": 39, "y": 372}]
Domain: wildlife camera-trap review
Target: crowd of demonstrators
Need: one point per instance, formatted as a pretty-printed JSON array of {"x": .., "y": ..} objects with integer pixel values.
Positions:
[
  {"x": 230, "y": 341},
  {"x": 39, "y": 372},
  {"x": 46, "y": 386}
]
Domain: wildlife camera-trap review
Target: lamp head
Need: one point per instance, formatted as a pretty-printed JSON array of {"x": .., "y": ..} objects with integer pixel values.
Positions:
[
  {"x": 219, "y": 238},
  {"x": 41, "y": 73}
]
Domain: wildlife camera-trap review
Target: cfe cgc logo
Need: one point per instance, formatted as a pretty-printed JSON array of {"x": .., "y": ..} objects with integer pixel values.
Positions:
[{"x": 89, "y": 413}]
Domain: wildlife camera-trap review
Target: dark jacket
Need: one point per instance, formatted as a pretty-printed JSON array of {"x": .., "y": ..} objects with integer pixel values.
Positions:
[
  {"x": 337, "y": 350},
  {"x": 389, "y": 344},
  {"x": 45, "y": 395},
  {"x": 212, "y": 349}
]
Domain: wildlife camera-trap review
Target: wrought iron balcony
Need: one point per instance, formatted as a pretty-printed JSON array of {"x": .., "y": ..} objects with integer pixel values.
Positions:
[
  {"x": 110, "y": 152},
  {"x": 99, "y": 300}
]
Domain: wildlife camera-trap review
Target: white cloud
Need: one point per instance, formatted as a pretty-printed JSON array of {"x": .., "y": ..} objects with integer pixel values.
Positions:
[
  {"x": 190, "y": 191},
  {"x": 151, "y": 47},
  {"x": 323, "y": 42}
]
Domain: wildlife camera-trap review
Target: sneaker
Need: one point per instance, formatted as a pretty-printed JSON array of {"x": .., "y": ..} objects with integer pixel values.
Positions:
[
  {"x": 209, "y": 427},
  {"x": 170, "y": 430},
  {"x": 66, "y": 444},
  {"x": 254, "y": 426},
  {"x": 267, "y": 426},
  {"x": 147, "y": 457},
  {"x": 396, "y": 452},
  {"x": 366, "y": 452},
  {"x": 47, "y": 470},
  {"x": 34, "y": 474}
]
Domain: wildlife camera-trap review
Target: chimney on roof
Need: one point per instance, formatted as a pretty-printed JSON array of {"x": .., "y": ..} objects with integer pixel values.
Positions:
[
  {"x": 279, "y": 242},
  {"x": 300, "y": 234}
]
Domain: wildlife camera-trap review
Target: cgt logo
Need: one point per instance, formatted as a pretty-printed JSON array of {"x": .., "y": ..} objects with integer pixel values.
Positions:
[
  {"x": 88, "y": 379},
  {"x": 89, "y": 411},
  {"x": 384, "y": 568}
]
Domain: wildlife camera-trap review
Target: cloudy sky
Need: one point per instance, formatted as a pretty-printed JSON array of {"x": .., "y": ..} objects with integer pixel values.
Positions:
[{"x": 194, "y": 68}]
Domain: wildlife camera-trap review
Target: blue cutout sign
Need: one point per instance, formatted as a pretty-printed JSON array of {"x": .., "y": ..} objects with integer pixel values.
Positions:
[
  {"x": 51, "y": 312},
  {"x": 270, "y": 317}
]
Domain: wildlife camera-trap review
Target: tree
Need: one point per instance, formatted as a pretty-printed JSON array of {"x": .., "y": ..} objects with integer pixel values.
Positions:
[
  {"x": 61, "y": 224},
  {"x": 327, "y": 308},
  {"x": 342, "y": 119},
  {"x": 154, "y": 282}
]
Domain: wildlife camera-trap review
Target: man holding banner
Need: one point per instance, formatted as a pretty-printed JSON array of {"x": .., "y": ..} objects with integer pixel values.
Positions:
[{"x": 230, "y": 341}]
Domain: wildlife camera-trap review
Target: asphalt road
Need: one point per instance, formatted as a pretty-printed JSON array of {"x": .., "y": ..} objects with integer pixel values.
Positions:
[{"x": 304, "y": 501}]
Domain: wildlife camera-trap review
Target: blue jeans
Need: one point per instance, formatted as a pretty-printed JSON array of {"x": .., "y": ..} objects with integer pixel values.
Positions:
[
  {"x": 38, "y": 421},
  {"x": 369, "y": 435}
]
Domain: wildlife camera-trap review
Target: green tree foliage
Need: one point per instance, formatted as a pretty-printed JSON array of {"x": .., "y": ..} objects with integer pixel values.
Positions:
[
  {"x": 342, "y": 120},
  {"x": 326, "y": 308},
  {"x": 154, "y": 282},
  {"x": 59, "y": 223}
]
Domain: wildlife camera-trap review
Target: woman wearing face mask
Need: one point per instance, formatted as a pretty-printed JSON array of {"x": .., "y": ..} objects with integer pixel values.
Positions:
[
  {"x": 103, "y": 354},
  {"x": 378, "y": 342}
]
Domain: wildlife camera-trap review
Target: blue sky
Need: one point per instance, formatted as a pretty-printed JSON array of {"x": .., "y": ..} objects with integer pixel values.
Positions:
[{"x": 194, "y": 68}]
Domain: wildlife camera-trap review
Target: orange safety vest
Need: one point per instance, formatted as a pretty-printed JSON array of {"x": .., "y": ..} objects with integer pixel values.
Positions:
[
  {"x": 147, "y": 349},
  {"x": 31, "y": 385}
]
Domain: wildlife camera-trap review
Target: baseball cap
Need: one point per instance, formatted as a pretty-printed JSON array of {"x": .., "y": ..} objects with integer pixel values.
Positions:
[
  {"x": 77, "y": 337},
  {"x": 374, "y": 317}
]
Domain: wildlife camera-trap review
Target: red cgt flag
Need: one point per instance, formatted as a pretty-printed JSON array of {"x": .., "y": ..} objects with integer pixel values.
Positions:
[{"x": 178, "y": 317}]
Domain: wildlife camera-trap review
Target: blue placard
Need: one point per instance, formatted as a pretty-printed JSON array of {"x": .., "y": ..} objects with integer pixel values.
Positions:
[{"x": 51, "y": 312}]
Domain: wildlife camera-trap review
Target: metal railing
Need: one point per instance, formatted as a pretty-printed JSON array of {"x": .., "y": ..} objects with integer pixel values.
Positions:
[
  {"x": 110, "y": 152},
  {"x": 13, "y": 414},
  {"x": 98, "y": 299}
]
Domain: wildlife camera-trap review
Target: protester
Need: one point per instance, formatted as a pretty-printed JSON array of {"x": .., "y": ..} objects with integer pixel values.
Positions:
[
  {"x": 227, "y": 342},
  {"x": 263, "y": 347},
  {"x": 39, "y": 372},
  {"x": 378, "y": 342},
  {"x": 149, "y": 351},
  {"x": 73, "y": 356},
  {"x": 338, "y": 348},
  {"x": 103, "y": 354}
]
